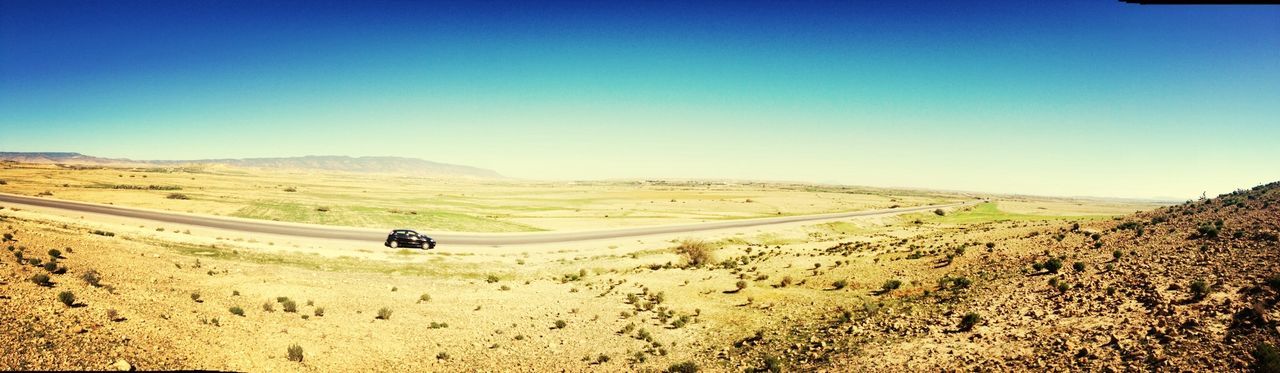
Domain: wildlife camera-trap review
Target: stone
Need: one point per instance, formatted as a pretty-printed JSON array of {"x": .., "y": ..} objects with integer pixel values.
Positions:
[{"x": 122, "y": 365}]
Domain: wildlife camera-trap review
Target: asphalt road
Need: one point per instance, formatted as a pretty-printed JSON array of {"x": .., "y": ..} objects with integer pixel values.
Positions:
[{"x": 443, "y": 238}]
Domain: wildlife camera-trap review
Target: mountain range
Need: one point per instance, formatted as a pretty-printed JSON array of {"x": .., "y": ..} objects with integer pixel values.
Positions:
[{"x": 396, "y": 165}]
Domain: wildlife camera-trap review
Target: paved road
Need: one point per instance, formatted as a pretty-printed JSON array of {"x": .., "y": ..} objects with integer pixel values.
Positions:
[{"x": 378, "y": 235}]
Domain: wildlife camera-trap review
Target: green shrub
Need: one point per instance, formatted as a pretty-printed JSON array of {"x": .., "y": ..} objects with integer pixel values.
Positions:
[
  {"x": 602, "y": 359},
  {"x": 939, "y": 212},
  {"x": 268, "y": 306},
  {"x": 51, "y": 266},
  {"x": 195, "y": 296},
  {"x": 424, "y": 298},
  {"x": 442, "y": 355},
  {"x": 1078, "y": 266},
  {"x": 891, "y": 285},
  {"x": 319, "y": 311},
  {"x": 1117, "y": 254},
  {"x": 289, "y": 306},
  {"x": 41, "y": 279},
  {"x": 67, "y": 298},
  {"x": 969, "y": 320},
  {"x": 1037, "y": 266},
  {"x": 491, "y": 279},
  {"x": 1053, "y": 265},
  {"x": 295, "y": 353},
  {"x": 684, "y": 367},
  {"x": 840, "y": 284},
  {"x": 1199, "y": 289},
  {"x": 281, "y": 299},
  {"x": 8, "y": 237},
  {"x": 560, "y": 324},
  {"x": 55, "y": 253},
  {"x": 772, "y": 364},
  {"x": 384, "y": 313},
  {"x": 236, "y": 310},
  {"x": 741, "y": 285},
  {"x": 1268, "y": 359}
]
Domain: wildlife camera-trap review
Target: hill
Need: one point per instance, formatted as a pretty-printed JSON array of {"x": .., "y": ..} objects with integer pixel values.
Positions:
[{"x": 397, "y": 165}]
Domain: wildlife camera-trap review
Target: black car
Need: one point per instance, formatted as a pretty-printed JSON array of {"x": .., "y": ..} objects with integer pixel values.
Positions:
[{"x": 409, "y": 238}]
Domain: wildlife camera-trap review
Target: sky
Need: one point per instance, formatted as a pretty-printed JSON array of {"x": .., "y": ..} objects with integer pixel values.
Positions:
[{"x": 1068, "y": 98}]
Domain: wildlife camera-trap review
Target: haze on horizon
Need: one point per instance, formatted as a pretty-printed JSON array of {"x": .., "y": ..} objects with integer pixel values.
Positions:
[{"x": 1076, "y": 98}]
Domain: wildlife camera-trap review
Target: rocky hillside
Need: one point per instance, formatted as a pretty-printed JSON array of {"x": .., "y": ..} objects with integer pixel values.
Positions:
[
  {"x": 1192, "y": 287},
  {"x": 396, "y": 165}
]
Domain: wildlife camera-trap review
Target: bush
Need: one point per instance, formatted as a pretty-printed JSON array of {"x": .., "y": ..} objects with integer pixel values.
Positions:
[
  {"x": 295, "y": 353},
  {"x": 384, "y": 313},
  {"x": 424, "y": 298},
  {"x": 1078, "y": 266},
  {"x": 442, "y": 356},
  {"x": 91, "y": 277},
  {"x": 602, "y": 359},
  {"x": 236, "y": 310},
  {"x": 772, "y": 364},
  {"x": 891, "y": 285},
  {"x": 322, "y": 209},
  {"x": 560, "y": 324},
  {"x": 741, "y": 285},
  {"x": 8, "y": 237},
  {"x": 1268, "y": 359},
  {"x": 970, "y": 320},
  {"x": 55, "y": 253},
  {"x": 195, "y": 296},
  {"x": 50, "y": 266},
  {"x": 319, "y": 311},
  {"x": 991, "y": 245},
  {"x": 1117, "y": 254},
  {"x": 491, "y": 279},
  {"x": 67, "y": 298},
  {"x": 1208, "y": 230},
  {"x": 786, "y": 281},
  {"x": 1199, "y": 289},
  {"x": 685, "y": 367},
  {"x": 840, "y": 284},
  {"x": 1037, "y": 266},
  {"x": 289, "y": 306},
  {"x": 939, "y": 212},
  {"x": 268, "y": 306},
  {"x": 41, "y": 279},
  {"x": 1053, "y": 265},
  {"x": 696, "y": 252},
  {"x": 177, "y": 196},
  {"x": 1274, "y": 282}
]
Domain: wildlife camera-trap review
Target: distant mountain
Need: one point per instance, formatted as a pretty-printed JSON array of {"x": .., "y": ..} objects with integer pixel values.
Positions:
[{"x": 396, "y": 165}]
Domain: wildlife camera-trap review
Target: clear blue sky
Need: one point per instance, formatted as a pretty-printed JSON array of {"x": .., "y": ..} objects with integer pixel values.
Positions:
[{"x": 1040, "y": 97}]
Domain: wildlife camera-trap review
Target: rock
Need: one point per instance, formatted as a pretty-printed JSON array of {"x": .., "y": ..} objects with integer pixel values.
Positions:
[{"x": 121, "y": 365}]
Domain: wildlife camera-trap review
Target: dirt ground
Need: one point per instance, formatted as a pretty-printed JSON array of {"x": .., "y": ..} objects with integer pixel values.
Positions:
[{"x": 799, "y": 297}]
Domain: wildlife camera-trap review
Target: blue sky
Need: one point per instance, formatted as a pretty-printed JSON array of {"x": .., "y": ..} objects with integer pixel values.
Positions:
[{"x": 1061, "y": 98}]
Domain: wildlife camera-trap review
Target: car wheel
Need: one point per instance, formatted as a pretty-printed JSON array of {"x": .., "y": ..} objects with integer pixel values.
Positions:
[{"x": 395, "y": 244}]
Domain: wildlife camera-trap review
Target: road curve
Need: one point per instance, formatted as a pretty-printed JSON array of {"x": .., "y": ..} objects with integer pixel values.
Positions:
[{"x": 378, "y": 235}]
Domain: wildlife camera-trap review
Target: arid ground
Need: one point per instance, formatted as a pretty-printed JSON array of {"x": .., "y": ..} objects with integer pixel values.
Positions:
[{"x": 1017, "y": 283}]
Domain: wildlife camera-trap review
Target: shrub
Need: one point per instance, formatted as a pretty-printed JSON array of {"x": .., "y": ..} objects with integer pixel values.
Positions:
[
  {"x": 991, "y": 245},
  {"x": 319, "y": 311},
  {"x": 602, "y": 359},
  {"x": 41, "y": 279},
  {"x": 295, "y": 353},
  {"x": 1117, "y": 254},
  {"x": 442, "y": 356},
  {"x": 268, "y": 306},
  {"x": 840, "y": 284},
  {"x": 67, "y": 298},
  {"x": 741, "y": 285},
  {"x": 970, "y": 320},
  {"x": 1078, "y": 266},
  {"x": 177, "y": 196},
  {"x": 322, "y": 209},
  {"x": 491, "y": 279},
  {"x": 91, "y": 277},
  {"x": 8, "y": 237},
  {"x": 1208, "y": 230},
  {"x": 1053, "y": 265},
  {"x": 424, "y": 298},
  {"x": 50, "y": 266},
  {"x": 1199, "y": 289},
  {"x": 891, "y": 285},
  {"x": 236, "y": 310},
  {"x": 1268, "y": 359},
  {"x": 560, "y": 324},
  {"x": 1274, "y": 282},
  {"x": 54, "y": 253},
  {"x": 195, "y": 296},
  {"x": 1063, "y": 287},
  {"x": 696, "y": 252},
  {"x": 1037, "y": 266},
  {"x": 684, "y": 367},
  {"x": 504, "y": 288},
  {"x": 289, "y": 306},
  {"x": 281, "y": 299},
  {"x": 384, "y": 313},
  {"x": 786, "y": 281}
]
